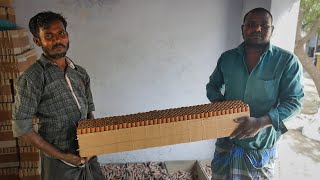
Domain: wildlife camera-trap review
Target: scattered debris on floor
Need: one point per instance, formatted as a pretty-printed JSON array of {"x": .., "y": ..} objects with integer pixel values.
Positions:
[
  {"x": 208, "y": 171},
  {"x": 137, "y": 171},
  {"x": 183, "y": 175}
]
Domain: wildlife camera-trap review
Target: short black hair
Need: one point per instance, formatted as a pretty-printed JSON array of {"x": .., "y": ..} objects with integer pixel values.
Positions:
[
  {"x": 44, "y": 19},
  {"x": 257, "y": 10}
]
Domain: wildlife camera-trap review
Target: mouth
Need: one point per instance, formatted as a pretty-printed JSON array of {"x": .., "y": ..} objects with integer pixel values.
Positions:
[
  {"x": 255, "y": 36},
  {"x": 58, "y": 47}
]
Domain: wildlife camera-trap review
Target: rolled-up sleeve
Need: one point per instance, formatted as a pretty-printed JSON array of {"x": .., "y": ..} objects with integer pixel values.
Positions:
[
  {"x": 290, "y": 95},
  {"x": 26, "y": 104}
]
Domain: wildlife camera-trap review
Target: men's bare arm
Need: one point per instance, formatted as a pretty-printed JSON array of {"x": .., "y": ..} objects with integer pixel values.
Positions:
[
  {"x": 26, "y": 103},
  {"x": 37, "y": 141}
]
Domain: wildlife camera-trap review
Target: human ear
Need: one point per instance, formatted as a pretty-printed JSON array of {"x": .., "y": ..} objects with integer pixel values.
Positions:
[{"x": 37, "y": 41}]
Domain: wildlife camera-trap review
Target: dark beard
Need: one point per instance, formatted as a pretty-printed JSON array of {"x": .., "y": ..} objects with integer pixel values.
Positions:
[
  {"x": 254, "y": 45},
  {"x": 55, "y": 56}
]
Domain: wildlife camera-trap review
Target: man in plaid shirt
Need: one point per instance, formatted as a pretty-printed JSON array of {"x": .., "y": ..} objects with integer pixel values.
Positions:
[{"x": 57, "y": 92}]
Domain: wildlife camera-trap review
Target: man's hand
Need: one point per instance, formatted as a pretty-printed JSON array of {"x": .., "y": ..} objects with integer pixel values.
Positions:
[
  {"x": 250, "y": 126},
  {"x": 73, "y": 159},
  {"x": 36, "y": 140}
]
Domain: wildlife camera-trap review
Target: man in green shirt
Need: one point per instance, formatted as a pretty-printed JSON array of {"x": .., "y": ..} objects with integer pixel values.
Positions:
[
  {"x": 267, "y": 78},
  {"x": 56, "y": 91}
]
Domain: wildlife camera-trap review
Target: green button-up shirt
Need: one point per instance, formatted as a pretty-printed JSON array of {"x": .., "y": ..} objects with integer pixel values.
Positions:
[
  {"x": 43, "y": 90},
  {"x": 274, "y": 88}
]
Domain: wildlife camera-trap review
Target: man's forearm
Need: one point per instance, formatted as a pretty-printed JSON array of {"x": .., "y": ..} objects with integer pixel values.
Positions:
[{"x": 36, "y": 140}]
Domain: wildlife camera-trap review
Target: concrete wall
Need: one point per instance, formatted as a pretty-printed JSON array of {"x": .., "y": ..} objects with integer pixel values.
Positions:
[
  {"x": 285, "y": 19},
  {"x": 251, "y": 4},
  {"x": 144, "y": 55}
]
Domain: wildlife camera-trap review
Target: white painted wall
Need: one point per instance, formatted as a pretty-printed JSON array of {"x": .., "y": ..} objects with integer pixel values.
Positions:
[
  {"x": 251, "y": 4},
  {"x": 145, "y": 54},
  {"x": 285, "y": 13}
]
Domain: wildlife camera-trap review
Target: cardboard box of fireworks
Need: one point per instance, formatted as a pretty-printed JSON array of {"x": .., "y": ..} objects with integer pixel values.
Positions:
[
  {"x": 126, "y": 133},
  {"x": 11, "y": 66},
  {"x": 6, "y": 3},
  {"x": 8, "y": 13},
  {"x": 14, "y": 42}
]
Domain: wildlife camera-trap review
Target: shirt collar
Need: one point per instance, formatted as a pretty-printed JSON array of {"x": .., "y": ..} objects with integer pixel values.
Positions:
[
  {"x": 46, "y": 63},
  {"x": 240, "y": 48},
  {"x": 70, "y": 63}
]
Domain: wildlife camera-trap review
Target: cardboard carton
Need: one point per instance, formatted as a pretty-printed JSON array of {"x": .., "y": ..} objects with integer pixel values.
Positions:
[
  {"x": 7, "y": 13},
  {"x": 6, "y": 3},
  {"x": 14, "y": 42},
  {"x": 6, "y": 91},
  {"x": 131, "y": 135},
  {"x": 191, "y": 166},
  {"x": 12, "y": 66},
  {"x": 6, "y": 111}
]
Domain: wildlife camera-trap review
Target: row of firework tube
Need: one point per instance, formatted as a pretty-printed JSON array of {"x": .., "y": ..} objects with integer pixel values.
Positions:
[{"x": 162, "y": 116}]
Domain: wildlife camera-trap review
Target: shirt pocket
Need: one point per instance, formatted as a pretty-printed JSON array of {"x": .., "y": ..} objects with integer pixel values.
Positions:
[
  {"x": 55, "y": 99},
  {"x": 54, "y": 91},
  {"x": 264, "y": 92}
]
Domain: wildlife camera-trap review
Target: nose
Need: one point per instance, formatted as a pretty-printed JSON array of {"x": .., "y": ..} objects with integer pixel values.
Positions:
[
  {"x": 57, "y": 38},
  {"x": 257, "y": 27}
]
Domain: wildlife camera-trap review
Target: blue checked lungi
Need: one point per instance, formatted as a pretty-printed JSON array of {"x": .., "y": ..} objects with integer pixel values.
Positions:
[{"x": 231, "y": 162}]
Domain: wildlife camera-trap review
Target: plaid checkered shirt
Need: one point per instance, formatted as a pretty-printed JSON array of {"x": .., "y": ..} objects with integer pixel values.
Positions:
[{"x": 43, "y": 91}]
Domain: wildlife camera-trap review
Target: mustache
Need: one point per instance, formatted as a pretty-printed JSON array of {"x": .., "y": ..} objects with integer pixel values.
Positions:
[
  {"x": 57, "y": 46},
  {"x": 256, "y": 34}
]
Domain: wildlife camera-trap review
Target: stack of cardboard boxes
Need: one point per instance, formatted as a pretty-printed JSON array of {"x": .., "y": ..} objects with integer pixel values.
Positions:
[
  {"x": 17, "y": 160},
  {"x": 7, "y": 15}
]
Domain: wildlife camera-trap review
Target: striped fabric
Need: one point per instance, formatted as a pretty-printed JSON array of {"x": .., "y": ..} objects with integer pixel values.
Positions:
[{"x": 232, "y": 162}]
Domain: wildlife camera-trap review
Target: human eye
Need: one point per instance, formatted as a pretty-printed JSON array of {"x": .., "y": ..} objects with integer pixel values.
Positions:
[
  {"x": 48, "y": 36},
  {"x": 251, "y": 25},
  {"x": 62, "y": 33},
  {"x": 266, "y": 26}
]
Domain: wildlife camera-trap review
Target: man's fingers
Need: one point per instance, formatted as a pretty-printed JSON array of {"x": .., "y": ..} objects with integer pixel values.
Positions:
[
  {"x": 240, "y": 119},
  {"x": 82, "y": 161},
  {"x": 253, "y": 133},
  {"x": 241, "y": 136},
  {"x": 248, "y": 134},
  {"x": 79, "y": 160},
  {"x": 236, "y": 132},
  {"x": 242, "y": 132}
]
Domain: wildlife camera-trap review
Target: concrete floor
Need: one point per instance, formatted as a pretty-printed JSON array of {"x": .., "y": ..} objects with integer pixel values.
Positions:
[{"x": 299, "y": 156}]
